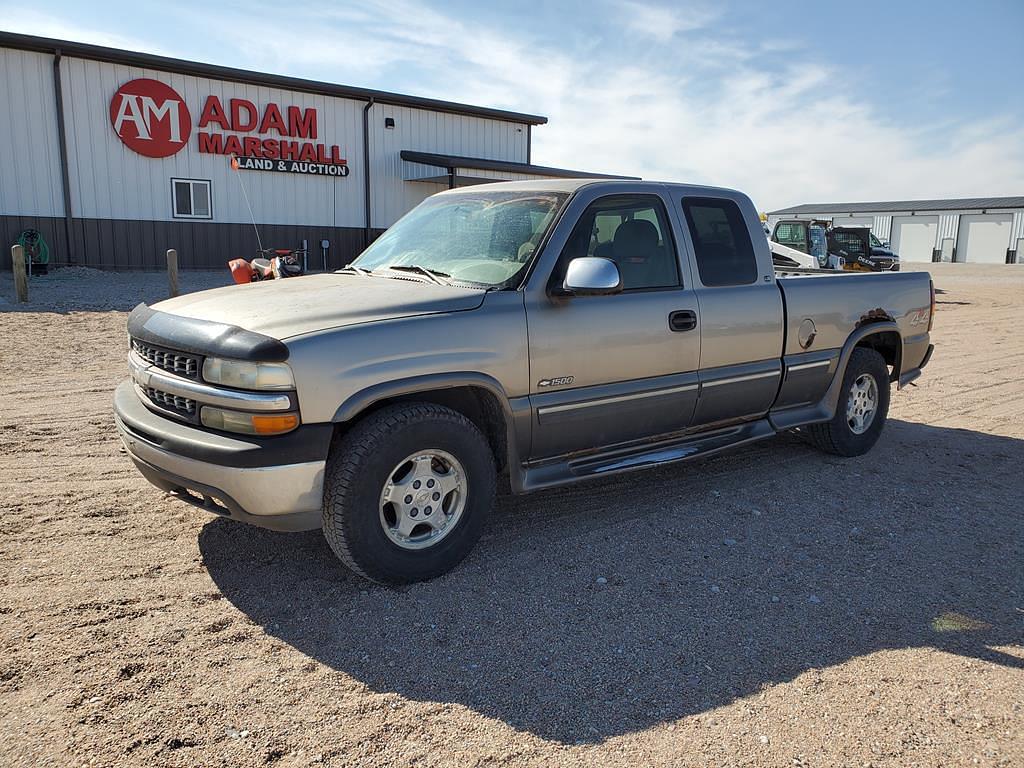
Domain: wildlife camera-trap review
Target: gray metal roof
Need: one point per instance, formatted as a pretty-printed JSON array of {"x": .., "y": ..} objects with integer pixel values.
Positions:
[
  {"x": 181, "y": 66},
  {"x": 966, "y": 203},
  {"x": 479, "y": 163}
]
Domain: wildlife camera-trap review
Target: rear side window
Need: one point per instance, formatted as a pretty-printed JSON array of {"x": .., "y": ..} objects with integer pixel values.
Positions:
[{"x": 721, "y": 242}]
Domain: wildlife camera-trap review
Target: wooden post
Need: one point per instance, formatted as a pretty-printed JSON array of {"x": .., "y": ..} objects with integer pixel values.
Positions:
[
  {"x": 172, "y": 271},
  {"x": 20, "y": 277}
]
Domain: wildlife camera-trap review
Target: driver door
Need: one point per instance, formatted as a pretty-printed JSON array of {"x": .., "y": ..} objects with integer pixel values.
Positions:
[{"x": 614, "y": 368}]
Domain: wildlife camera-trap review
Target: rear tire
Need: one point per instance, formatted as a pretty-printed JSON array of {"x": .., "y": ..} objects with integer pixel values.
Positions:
[
  {"x": 862, "y": 409},
  {"x": 382, "y": 527}
]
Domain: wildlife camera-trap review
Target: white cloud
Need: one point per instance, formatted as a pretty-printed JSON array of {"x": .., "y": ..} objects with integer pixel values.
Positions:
[
  {"x": 31, "y": 22},
  {"x": 707, "y": 109},
  {"x": 782, "y": 135},
  {"x": 660, "y": 22}
]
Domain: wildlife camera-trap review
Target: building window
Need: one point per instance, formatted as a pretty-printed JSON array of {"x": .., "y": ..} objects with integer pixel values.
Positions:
[{"x": 190, "y": 199}]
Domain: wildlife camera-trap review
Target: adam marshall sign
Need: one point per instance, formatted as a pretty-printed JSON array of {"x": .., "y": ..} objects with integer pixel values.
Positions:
[
  {"x": 152, "y": 119},
  {"x": 290, "y": 166}
]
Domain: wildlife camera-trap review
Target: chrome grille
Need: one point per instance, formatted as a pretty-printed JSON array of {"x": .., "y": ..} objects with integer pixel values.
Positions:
[
  {"x": 181, "y": 405},
  {"x": 178, "y": 363}
]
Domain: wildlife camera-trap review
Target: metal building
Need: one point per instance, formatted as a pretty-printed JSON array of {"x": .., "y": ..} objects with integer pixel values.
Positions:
[
  {"x": 115, "y": 156},
  {"x": 985, "y": 230}
]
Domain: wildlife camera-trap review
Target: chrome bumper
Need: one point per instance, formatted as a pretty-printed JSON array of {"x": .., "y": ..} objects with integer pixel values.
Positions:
[{"x": 277, "y": 496}]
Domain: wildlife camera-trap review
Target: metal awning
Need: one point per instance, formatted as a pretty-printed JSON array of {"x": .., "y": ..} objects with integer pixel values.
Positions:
[{"x": 463, "y": 171}]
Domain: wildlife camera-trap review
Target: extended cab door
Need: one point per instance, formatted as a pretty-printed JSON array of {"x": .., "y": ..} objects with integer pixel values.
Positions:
[
  {"x": 614, "y": 368},
  {"x": 740, "y": 306}
]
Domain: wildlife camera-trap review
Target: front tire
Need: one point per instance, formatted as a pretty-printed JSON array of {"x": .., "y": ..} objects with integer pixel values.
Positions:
[
  {"x": 862, "y": 410},
  {"x": 407, "y": 492}
]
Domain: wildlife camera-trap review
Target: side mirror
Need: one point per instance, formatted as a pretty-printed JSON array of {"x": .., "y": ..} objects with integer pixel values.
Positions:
[{"x": 591, "y": 276}]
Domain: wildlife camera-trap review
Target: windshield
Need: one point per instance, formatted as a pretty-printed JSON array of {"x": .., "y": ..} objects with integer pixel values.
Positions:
[
  {"x": 477, "y": 237},
  {"x": 874, "y": 241}
]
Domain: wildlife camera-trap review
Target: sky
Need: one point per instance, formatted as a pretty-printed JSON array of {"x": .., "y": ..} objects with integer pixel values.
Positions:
[{"x": 790, "y": 102}]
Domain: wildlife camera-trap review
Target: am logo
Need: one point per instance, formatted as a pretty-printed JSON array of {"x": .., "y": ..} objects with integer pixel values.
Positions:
[{"x": 150, "y": 117}]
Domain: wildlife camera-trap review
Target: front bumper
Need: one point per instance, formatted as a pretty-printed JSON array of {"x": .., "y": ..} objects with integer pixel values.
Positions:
[{"x": 274, "y": 482}]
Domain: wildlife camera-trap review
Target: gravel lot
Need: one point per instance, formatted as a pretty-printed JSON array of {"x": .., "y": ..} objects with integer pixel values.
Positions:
[{"x": 772, "y": 606}]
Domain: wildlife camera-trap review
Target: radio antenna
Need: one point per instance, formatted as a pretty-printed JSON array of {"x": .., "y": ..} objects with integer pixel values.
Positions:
[{"x": 252, "y": 218}]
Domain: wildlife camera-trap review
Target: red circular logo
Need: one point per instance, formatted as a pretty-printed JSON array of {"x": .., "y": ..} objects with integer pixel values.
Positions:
[{"x": 150, "y": 117}]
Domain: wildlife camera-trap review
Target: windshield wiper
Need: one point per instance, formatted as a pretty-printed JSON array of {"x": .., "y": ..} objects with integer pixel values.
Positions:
[
  {"x": 358, "y": 270},
  {"x": 434, "y": 274}
]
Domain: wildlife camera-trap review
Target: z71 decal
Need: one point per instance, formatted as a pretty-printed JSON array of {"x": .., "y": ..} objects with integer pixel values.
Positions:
[{"x": 561, "y": 381}]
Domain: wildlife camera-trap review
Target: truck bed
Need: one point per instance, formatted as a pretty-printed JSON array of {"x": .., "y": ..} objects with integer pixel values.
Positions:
[{"x": 835, "y": 302}]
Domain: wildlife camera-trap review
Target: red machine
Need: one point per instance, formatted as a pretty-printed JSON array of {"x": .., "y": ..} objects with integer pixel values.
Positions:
[{"x": 273, "y": 264}]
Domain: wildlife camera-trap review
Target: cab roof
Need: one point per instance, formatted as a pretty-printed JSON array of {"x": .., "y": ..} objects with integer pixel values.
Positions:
[{"x": 571, "y": 185}]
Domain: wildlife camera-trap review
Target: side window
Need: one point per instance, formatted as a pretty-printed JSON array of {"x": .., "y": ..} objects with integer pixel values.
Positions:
[
  {"x": 633, "y": 231},
  {"x": 721, "y": 242},
  {"x": 190, "y": 199}
]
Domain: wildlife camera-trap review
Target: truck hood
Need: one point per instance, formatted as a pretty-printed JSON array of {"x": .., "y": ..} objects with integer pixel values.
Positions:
[{"x": 299, "y": 305}]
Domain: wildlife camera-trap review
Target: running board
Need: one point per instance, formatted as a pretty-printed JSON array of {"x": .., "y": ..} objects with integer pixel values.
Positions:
[{"x": 615, "y": 461}]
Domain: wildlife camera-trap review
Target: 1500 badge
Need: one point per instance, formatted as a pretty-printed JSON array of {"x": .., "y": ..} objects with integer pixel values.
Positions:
[{"x": 561, "y": 381}]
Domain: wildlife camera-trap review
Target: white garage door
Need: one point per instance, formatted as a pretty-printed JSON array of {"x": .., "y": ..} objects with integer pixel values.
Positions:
[
  {"x": 913, "y": 237},
  {"x": 983, "y": 239}
]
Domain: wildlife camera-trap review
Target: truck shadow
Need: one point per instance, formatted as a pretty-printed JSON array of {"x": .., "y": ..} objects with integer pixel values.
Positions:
[{"x": 604, "y": 609}]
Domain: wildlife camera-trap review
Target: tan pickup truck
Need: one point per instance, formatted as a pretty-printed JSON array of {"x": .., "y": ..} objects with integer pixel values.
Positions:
[{"x": 545, "y": 332}]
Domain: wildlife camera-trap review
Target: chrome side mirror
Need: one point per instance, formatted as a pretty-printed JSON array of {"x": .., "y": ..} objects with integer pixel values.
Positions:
[{"x": 592, "y": 276}]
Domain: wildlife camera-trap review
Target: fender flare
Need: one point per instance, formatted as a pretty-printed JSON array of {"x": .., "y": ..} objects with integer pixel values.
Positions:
[
  {"x": 364, "y": 398},
  {"x": 515, "y": 412},
  {"x": 831, "y": 399}
]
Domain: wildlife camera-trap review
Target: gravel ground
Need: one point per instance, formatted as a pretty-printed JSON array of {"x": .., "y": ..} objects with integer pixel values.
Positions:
[{"x": 771, "y": 606}]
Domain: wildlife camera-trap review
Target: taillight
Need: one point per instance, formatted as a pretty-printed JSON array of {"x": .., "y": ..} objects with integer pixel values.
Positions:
[{"x": 931, "y": 308}]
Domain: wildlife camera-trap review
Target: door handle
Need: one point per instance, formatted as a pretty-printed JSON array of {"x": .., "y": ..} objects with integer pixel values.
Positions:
[{"x": 682, "y": 320}]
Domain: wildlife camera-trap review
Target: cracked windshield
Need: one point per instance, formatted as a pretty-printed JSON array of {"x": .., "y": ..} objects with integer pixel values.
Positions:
[{"x": 483, "y": 238}]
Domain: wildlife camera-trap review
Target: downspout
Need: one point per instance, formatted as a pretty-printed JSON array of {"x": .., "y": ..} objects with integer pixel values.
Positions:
[
  {"x": 63, "y": 149},
  {"x": 367, "y": 223},
  {"x": 451, "y": 178},
  {"x": 529, "y": 143}
]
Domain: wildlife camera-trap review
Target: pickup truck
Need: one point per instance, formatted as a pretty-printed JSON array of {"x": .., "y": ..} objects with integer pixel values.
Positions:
[{"x": 535, "y": 333}]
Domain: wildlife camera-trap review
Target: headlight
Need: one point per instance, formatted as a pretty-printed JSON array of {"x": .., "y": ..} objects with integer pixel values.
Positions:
[
  {"x": 241, "y": 374},
  {"x": 248, "y": 423}
]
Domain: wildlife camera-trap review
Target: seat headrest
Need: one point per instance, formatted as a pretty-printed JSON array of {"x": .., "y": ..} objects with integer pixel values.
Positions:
[{"x": 635, "y": 239}]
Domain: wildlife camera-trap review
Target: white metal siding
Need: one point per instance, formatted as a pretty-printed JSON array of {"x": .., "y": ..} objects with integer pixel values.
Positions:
[
  {"x": 30, "y": 178},
  {"x": 984, "y": 238},
  {"x": 110, "y": 181},
  {"x": 1018, "y": 228},
  {"x": 425, "y": 131},
  {"x": 945, "y": 240},
  {"x": 881, "y": 226},
  {"x": 949, "y": 224},
  {"x": 914, "y": 237}
]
